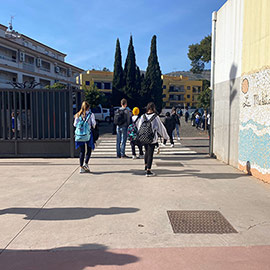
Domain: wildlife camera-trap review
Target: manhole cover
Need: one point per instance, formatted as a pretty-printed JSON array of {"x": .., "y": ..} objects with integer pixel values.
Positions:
[
  {"x": 199, "y": 222},
  {"x": 169, "y": 164}
]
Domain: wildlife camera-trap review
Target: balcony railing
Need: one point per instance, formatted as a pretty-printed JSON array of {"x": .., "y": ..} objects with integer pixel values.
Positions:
[
  {"x": 8, "y": 58},
  {"x": 29, "y": 67},
  {"x": 45, "y": 69}
]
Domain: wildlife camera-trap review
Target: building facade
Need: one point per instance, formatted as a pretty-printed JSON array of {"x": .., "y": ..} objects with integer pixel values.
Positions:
[
  {"x": 177, "y": 91},
  {"x": 25, "y": 60},
  {"x": 180, "y": 91},
  {"x": 241, "y": 86}
]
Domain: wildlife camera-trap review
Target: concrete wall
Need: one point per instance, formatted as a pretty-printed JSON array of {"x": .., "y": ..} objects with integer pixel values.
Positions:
[{"x": 227, "y": 81}]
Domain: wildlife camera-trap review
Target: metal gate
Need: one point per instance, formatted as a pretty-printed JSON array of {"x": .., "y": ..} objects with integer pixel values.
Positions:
[{"x": 38, "y": 122}]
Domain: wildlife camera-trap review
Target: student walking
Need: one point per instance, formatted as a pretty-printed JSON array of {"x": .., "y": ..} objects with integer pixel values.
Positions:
[
  {"x": 149, "y": 127},
  {"x": 169, "y": 123},
  {"x": 132, "y": 134},
  {"x": 186, "y": 116},
  {"x": 122, "y": 121},
  {"x": 84, "y": 120},
  {"x": 177, "y": 123}
]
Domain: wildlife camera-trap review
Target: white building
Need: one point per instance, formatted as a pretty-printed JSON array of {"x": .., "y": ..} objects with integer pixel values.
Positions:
[{"x": 26, "y": 60}]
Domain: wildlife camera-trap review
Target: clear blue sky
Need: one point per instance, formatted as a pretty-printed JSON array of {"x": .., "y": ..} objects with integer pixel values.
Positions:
[{"x": 86, "y": 30}]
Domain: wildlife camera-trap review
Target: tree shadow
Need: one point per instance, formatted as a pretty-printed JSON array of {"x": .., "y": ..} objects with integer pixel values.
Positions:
[
  {"x": 75, "y": 213},
  {"x": 68, "y": 258}
]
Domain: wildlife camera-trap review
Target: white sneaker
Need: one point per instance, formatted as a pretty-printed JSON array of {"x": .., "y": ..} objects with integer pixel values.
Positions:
[
  {"x": 162, "y": 144},
  {"x": 134, "y": 157},
  {"x": 86, "y": 167},
  {"x": 172, "y": 145},
  {"x": 82, "y": 170},
  {"x": 141, "y": 156},
  {"x": 178, "y": 138}
]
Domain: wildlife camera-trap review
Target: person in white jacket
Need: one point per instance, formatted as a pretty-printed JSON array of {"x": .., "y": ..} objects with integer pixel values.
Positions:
[{"x": 158, "y": 129}]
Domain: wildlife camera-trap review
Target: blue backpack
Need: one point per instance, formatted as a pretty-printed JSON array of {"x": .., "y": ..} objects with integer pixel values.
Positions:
[{"x": 83, "y": 130}]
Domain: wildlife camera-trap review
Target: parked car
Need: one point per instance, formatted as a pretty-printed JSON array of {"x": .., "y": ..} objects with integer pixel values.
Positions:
[
  {"x": 101, "y": 114},
  {"x": 106, "y": 114}
]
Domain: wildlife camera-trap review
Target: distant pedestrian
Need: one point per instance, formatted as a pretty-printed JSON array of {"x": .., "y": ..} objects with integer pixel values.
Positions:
[
  {"x": 186, "y": 116},
  {"x": 122, "y": 121},
  {"x": 169, "y": 123},
  {"x": 149, "y": 127},
  {"x": 197, "y": 120},
  {"x": 176, "y": 119},
  {"x": 132, "y": 134},
  {"x": 84, "y": 120},
  {"x": 111, "y": 114}
]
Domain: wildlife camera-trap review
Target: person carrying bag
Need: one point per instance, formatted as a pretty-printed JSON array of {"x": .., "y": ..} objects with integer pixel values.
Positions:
[{"x": 84, "y": 121}]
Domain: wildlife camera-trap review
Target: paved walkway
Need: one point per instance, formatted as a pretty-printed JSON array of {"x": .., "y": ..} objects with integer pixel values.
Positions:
[{"x": 51, "y": 217}]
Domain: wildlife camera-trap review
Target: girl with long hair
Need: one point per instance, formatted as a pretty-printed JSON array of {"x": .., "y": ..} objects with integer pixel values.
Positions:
[
  {"x": 81, "y": 119},
  {"x": 158, "y": 129}
]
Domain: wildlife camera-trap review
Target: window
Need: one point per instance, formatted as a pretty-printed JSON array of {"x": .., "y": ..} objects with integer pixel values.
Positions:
[
  {"x": 46, "y": 66},
  {"x": 188, "y": 87},
  {"x": 171, "y": 88},
  {"x": 107, "y": 85},
  {"x": 87, "y": 83},
  {"x": 188, "y": 96},
  {"x": 8, "y": 54},
  {"x": 29, "y": 59},
  {"x": 98, "y": 85},
  {"x": 164, "y": 86}
]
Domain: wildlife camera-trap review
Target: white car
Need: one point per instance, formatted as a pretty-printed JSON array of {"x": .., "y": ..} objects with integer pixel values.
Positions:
[{"x": 101, "y": 114}]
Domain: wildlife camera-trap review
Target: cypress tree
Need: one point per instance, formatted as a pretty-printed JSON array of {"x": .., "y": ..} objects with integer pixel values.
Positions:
[
  {"x": 130, "y": 71},
  {"x": 152, "y": 85},
  {"x": 117, "y": 85}
]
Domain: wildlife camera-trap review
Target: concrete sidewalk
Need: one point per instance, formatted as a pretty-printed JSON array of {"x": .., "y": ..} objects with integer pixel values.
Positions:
[{"x": 116, "y": 218}]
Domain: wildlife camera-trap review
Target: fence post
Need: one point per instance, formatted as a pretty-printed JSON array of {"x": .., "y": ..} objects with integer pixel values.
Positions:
[{"x": 71, "y": 124}]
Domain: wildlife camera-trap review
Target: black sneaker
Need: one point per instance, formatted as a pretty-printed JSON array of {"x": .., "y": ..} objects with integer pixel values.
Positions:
[
  {"x": 125, "y": 156},
  {"x": 149, "y": 174}
]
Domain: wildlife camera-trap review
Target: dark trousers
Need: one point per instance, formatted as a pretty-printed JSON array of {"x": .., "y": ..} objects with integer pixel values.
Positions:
[
  {"x": 82, "y": 154},
  {"x": 171, "y": 138},
  {"x": 148, "y": 156},
  {"x": 133, "y": 144}
]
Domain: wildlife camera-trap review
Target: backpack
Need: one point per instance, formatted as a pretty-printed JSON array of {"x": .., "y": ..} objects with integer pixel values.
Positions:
[
  {"x": 132, "y": 131},
  {"x": 145, "y": 133},
  {"x": 83, "y": 130},
  {"x": 119, "y": 117},
  {"x": 95, "y": 132}
]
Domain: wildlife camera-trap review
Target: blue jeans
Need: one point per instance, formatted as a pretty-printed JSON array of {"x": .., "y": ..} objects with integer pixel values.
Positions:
[
  {"x": 177, "y": 130},
  {"x": 121, "y": 141}
]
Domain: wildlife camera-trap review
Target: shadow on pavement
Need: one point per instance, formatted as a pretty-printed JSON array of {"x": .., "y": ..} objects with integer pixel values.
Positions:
[
  {"x": 178, "y": 173},
  {"x": 69, "y": 258},
  {"x": 65, "y": 213}
]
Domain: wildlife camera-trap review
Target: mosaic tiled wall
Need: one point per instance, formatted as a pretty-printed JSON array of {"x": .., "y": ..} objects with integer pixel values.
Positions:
[{"x": 254, "y": 133}]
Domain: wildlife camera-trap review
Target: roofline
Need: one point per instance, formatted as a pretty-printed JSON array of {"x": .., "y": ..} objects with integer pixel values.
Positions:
[
  {"x": 44, "y": 55},
  {"x": 30, "y": 39}
]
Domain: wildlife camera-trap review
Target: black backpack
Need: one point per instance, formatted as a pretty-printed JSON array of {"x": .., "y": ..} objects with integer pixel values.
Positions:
[
  {"x": 119, "y": 117},
  {"x": 145, "y": 133},
  {"x": 95, "y": 132}
]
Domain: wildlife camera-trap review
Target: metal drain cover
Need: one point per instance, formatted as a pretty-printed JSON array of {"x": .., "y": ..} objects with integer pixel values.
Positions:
[{"x": 199, "y": 222}]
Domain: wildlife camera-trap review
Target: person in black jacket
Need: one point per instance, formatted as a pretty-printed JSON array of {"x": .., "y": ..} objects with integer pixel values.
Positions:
[
  {"x": 169, "y": 123},
  {"x": 176, "y": 118}
]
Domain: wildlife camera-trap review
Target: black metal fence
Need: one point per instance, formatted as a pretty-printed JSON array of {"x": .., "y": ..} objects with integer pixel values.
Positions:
[{"x": 38, "y": 122}]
